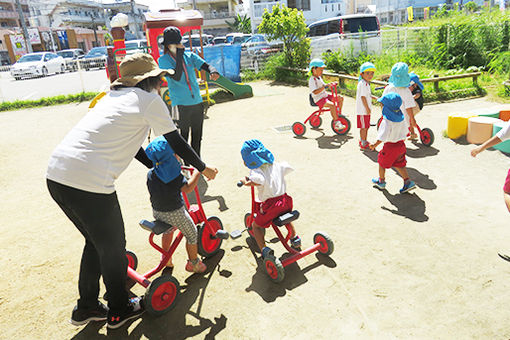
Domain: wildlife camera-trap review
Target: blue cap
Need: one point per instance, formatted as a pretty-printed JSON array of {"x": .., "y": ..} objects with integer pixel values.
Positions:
[
  {"x": 166, "y": 166},
  {"x": 317, "y": 63},
  {"x": 400, "y": 75},
  {"x": 366, "y": 67},
  {"x": 415, "y": 80},
  {"x": 255, "y": 154},
  {"x": 391, "y": 107}
]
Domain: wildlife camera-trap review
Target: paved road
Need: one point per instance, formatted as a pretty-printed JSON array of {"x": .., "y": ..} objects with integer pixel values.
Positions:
[{"x": 53, "y": 85}]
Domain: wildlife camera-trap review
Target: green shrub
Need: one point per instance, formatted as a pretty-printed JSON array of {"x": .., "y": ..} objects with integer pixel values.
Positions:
[
  {"x": 47, "y": 101},
  {"x": 345, "y": 62}
]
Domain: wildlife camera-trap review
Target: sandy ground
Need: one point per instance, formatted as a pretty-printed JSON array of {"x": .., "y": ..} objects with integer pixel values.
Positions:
[{"x": 421, "y": 265}]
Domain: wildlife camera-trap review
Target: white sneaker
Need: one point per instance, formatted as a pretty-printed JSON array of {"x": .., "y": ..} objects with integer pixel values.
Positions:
[{"x": 339, "y": 125}]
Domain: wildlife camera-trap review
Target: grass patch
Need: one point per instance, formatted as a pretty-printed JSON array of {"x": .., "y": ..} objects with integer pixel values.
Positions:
[
  {"x": 221, "y": 96},
  {"x": 47, "y": 101}
]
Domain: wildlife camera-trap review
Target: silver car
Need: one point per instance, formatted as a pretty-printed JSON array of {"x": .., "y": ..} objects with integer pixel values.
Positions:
[{"x": 38, "y": 64}]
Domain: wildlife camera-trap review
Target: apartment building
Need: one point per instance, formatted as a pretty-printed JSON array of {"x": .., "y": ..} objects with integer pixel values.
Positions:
[
  {"x": 135, "y": 13},
  {"x": 9, "y": 16},
  {"x": 67, "y": 13},
  {"x": 216, "y": 13}
]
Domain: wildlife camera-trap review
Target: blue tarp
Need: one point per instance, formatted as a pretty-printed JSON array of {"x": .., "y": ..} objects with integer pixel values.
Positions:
[{"x": 226, "y": 59}]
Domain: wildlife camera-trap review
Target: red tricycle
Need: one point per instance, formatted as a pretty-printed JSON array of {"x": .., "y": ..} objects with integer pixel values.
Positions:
[
  {"x": 315, "y": 119},
  {"x": 274, "y": 267},
  {"x": 162, "y": 292},
  {"x": 426, "y": 135}
]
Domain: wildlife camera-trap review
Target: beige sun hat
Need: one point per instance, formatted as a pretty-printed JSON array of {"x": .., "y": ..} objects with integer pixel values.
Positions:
[{"x": 137, "y": 67}]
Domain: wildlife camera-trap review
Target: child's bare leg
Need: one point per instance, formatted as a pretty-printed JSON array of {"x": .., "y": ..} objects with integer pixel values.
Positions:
[
  {"x": 382, "y": 173},
  {"x": 192, "y": 250},
  {"x": 292, "y": 230},
  {"x": 340, "y": 103},
  {"x": 258, "y": 233},
  {"x": 332, "y": 109},
  {"x": 166, "y": 242},
  {"x": 403, "y": 173},
  {"x": 363, "y": 132},
  {"x": 507, "y": 201}
]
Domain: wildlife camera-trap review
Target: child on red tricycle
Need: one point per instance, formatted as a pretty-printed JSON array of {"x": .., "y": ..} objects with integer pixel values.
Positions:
[{"x": 326, "y": 102}]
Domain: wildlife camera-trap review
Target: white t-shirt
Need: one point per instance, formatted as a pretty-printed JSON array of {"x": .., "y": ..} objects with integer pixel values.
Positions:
[
  {"x": 103, "y": 143},
  {"x": 270, "y": 179},
  {"x": 363, "y": 91},
  {"x": 315, "y": 83},
  {"x": 392, "y": 132},
  {"x": 504, "y": 133},
  {"x": 407, "y": 99}
]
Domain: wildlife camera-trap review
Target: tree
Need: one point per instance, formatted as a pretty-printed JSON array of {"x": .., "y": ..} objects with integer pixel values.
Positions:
[
  {"x": 288, "y": 25},
  {"x": 471, "y": 7},
  {"x": 240, "y": 24}
]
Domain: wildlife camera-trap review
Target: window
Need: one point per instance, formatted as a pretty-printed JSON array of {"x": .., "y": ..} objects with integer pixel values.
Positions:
[
  {"x": 333, "y": 26},
  {"x": 321, "y": 29},
  {"x": 365, "y": 24},
  {"x": 312, "y": 31},
  {"x": 303, "y": 5}
]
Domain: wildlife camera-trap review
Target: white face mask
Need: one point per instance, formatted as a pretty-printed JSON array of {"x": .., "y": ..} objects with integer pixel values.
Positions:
[{"x": 173, "y": 48}]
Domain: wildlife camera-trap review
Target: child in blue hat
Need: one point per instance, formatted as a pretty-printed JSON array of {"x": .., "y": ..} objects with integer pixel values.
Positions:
[
  {"x": 318, "y": 91},
  {"x": 165, "y": 183},
  {"x": 392, "y": 132},
  {"x": 364, "y": 102},
  {"x": 268, "y": 177},
  {"x": 399, "y": 83},
  {"x": 416, "y": 88}
]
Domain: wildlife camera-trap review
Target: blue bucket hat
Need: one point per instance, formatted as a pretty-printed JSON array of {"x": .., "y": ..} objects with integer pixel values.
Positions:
[
  {"x": 366, "y": 67},
  {"x": 400, "y": 75},
  {"x": 316, "y": 63},
  {"x": 255, "y": 154},
  {"x": 415, "y": 80},
  {"x": 166, "y": 166},
  {"x": 391, "y": 107}
]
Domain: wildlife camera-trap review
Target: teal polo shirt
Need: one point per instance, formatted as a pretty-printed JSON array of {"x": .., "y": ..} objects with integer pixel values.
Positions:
[{"x": 179, "y": 91}]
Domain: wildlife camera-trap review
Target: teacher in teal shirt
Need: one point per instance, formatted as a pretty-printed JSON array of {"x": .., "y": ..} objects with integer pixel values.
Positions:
[{"x": 183, "y": 85}]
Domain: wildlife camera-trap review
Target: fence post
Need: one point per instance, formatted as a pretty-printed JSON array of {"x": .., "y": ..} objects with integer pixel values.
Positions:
[
  {"x": 475, "y": 81},
  {"x": 398, "y": 42},
  {"x": 436, "y": 83},
  {"x": 405, "y": 39}
]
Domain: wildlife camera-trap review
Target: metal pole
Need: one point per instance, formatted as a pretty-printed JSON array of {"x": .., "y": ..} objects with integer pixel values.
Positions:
[
  {"x": 24, "y": 27},
  {"x": 51, "y": 37},
  {"x": 137, "y": 32},
  {"x": 94, "y": 29}
]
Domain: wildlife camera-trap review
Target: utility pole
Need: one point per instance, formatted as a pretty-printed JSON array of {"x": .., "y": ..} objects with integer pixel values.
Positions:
[
  {"x": 94, "y": 29},
  {"x": 24, "y": 26},
  {"x": 137, "y": 32}
]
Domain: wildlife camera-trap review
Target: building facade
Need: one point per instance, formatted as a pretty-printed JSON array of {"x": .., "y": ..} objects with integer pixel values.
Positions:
[
  {"x": 216, "y": 13},
  {"x": 67, "y": 13},
  {"x": 313, "y": 10},
  {"x": 135, "y": 13}
]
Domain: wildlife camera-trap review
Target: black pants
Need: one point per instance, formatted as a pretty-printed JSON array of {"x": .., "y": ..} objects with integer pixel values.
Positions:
[
  {"x": 192, "y": 116},
  {"x": 99, "y": 220}
]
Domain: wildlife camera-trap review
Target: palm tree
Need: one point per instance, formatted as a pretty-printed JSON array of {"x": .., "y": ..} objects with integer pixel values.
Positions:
[{"x": 241, "y": 24}]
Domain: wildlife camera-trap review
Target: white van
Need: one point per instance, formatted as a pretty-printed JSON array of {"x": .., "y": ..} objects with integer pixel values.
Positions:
[
  {"x": 136, "y": 46},
  {"x": 359, "y": 32}
]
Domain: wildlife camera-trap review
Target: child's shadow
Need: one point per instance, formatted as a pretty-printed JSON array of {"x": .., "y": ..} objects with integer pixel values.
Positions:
[
  {"x": 422, "y": 181},
  {"x": 294, "y": 275},
  {"x": 410, "y": 206},
  {"x": 172, "y": 325},
  {"x": 332, "y": 142},
  {"x": 202, "y": 189},
  {"x": 421, "y": 151}
]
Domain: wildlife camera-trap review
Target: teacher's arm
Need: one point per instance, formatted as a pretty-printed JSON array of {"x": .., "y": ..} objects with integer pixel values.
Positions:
[
  {"x": 141, "y": 156},
  {"x": 211, "y": 70},
  {"x": 186, "y": 152}
]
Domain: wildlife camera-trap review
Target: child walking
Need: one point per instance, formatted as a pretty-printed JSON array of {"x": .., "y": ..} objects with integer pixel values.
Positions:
[
  {"x": 399, "y": 83},
  {"x": 165, "y": 183},
  {"x": 364, "y": 102},
  {"x": 392, "y": 132},
  {"x": 319, "y": 94},
  {"x": 416, "y": 88},
  {"x": 268, "y": 176}
]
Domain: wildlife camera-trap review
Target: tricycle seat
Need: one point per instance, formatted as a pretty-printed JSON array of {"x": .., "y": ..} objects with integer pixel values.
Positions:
[
  {"x": 312, "y": 103},
  {"x": 286, "y": 218},
  {"x": 156, "y": 227}
]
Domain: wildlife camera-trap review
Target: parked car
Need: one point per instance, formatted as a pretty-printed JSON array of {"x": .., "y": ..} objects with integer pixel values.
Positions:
[
  {"x": 135, "y": 46},
  {"x": 71, "y": 56},
  {"x": 95, "y": 58},
  {"x": 237, "y": 38},
  {"x": 257, "y": 49},
  {"x": 195, "y": 40},
  {"x": 219, "y": 40},
  {"x": 359, "y": 32},
  {"x": 38, "y": 64}
]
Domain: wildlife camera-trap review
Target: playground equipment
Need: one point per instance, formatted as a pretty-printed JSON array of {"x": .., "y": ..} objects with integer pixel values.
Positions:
[
  {"x": 503, "y": 146},
  {"x": 273, "y": 265},
  {"x": 315, "y": 119},
  {"x": 480, "y": 129},
  {"x": 426, "y": 135},
  {"x": 162, "y": 292}
]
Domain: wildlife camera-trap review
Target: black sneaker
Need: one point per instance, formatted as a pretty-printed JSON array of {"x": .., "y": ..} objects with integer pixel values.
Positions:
[
  {"x": 83, "y": 316},
  {"x": 134, "y": 310}
]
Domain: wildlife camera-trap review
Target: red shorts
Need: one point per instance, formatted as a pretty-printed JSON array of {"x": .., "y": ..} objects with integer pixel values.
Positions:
[
  {"x": 321, "y": 102},
  {"x": 271, "y": 209},
  {"x": 506, "y": 187},
  {"x": 363, "y": 121},
  {"x": 392, "y": 155}
]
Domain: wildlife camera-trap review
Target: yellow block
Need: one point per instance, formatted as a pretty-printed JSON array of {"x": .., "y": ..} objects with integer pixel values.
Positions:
[{"x": 458, "y": 124}]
